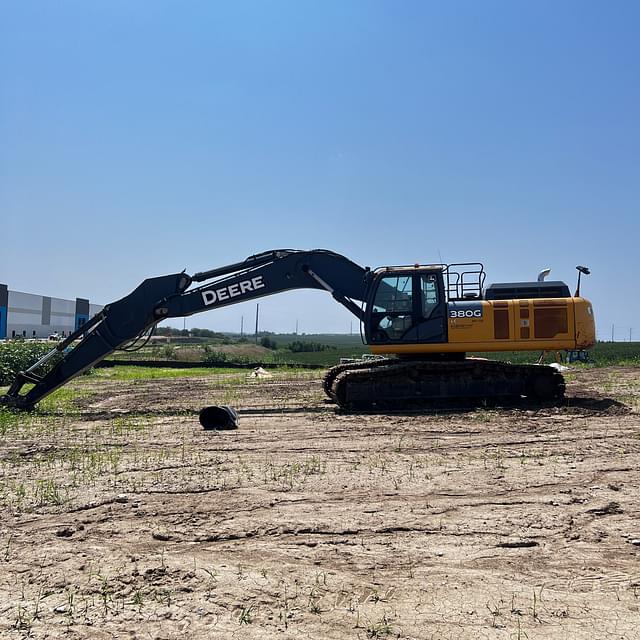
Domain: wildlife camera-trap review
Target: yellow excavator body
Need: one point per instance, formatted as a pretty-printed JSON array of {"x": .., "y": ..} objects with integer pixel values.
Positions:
[{"x": 542, "y": 324}]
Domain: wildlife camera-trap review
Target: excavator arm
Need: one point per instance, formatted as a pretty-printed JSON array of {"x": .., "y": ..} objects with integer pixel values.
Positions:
[{"x": 156, "y": 299}]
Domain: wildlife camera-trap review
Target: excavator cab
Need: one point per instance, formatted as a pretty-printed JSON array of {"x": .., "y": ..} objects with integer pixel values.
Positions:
[{"x": 407, "y": 305}]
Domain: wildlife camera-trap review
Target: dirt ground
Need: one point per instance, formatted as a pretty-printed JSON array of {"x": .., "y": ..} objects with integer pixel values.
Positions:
[{"x": 122, "y": 518}]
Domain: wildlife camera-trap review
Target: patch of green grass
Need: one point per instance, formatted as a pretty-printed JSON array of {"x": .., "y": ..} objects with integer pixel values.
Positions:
[
  {"x": 322, "y": 358},
  {"x": 62, "y": 400},
  {"x": 8, "y": 419},
  {"x": 153, "y": 373},
  {"x": 131, "y": 372},
  {"x": 292, "y": 473}
]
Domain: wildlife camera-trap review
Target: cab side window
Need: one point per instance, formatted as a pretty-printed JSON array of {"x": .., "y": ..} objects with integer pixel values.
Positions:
[{"x": 429, "y": 288}]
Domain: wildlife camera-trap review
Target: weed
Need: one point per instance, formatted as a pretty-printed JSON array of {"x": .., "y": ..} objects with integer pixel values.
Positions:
[
  {"x": 520, "y": 634},
  {"x": 23, "y": 620},
  {"x": 314, "y": 605},
  {"x": 163, "y": 596},
  {"x": 495, "y": 612},
  {"x": 515, "y": 610},
  {"x": 70, "y": 605},
  {"x": 212, "y": 582},
  {"x": 7, "y": 548},
  {"x": 246, "y": 615},
  {"x": 47, "y": 491},
  {"x": 284, "y": 612},
  {"x": 535, "y": 603},
  {"x": 380, "y": 629}
]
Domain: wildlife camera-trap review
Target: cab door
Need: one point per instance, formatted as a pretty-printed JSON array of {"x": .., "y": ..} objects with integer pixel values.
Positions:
[
  {"x": 407, "y": 308},
  {"x": 432, "y": 322},
  {"x": 390, "y": 312}
]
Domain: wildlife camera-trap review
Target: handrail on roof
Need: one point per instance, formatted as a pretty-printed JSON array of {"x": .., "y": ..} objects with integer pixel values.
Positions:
[{"x": 465, "y": 280}]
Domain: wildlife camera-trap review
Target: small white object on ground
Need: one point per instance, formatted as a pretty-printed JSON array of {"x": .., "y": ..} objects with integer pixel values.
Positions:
[{"x": 259, "y": 372}]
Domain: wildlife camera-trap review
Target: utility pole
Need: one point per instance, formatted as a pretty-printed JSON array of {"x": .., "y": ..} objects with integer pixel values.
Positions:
[
  {"x": 241, "y": 326},
  {"x": 630, "y": 330},
  {"x": 612, "y": 331},
  {"x": 257, "y": 312}
]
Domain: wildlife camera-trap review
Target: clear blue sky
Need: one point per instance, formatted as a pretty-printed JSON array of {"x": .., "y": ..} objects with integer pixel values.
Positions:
[{"x": 141, "y": 138}]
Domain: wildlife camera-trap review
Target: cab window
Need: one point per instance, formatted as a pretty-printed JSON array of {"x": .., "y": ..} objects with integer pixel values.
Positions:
[
  {"x": 394, "y": 295},
  {"x": 429, "y": 288}
]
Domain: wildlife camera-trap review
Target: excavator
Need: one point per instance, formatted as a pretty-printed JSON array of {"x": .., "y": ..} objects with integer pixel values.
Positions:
[{"x": 421, "y": 320}]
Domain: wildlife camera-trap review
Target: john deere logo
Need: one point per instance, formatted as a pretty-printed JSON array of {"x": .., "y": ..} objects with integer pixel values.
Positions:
[{"x": 232, "y": 291}]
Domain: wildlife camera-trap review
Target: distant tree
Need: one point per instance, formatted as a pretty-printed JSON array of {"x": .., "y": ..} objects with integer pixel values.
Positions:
[
  {"x": 207, "y": 333},
  {"x": 268, "y": 343},
  {"x": 305, "y": 346},
  {"x": 171, "y": 331},
  {"x": 195, "y": 332}
]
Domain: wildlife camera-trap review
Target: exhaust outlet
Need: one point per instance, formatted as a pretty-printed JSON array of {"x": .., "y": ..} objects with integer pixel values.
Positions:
[{"x": 222, "y": 418}]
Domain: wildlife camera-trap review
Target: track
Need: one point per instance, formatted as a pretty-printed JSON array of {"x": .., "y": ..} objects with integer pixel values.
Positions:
[{"x": 389, "y": 382}]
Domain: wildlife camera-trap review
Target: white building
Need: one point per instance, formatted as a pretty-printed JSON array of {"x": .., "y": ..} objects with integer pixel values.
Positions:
[{"x": 28, "y": 315}]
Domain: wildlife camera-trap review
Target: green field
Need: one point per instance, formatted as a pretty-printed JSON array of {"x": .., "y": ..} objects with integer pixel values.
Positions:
[
  {"x": 335, "y": 346},
  {"x": 16, "y": 356},
  {"x": 350, "y": 346},
  {"x": 603, "y": 354}
]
